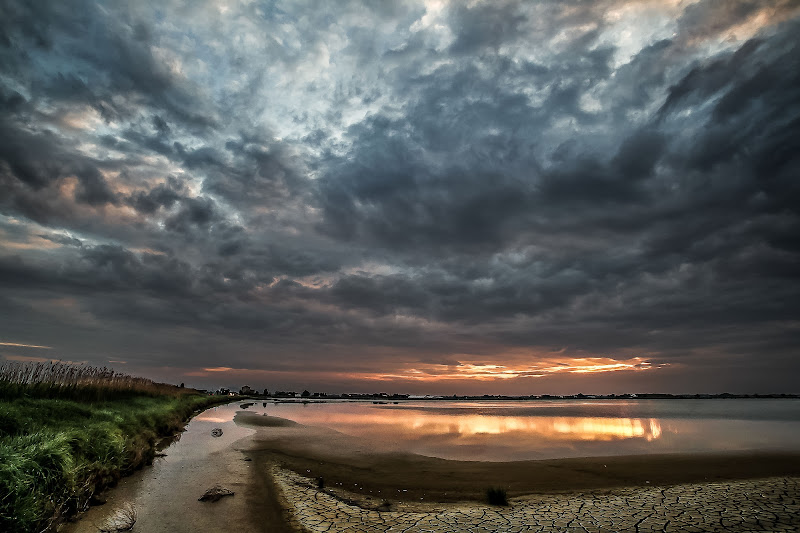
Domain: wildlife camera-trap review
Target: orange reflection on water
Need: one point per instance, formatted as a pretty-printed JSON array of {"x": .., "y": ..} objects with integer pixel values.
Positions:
[
  {"x": 608, "y": 428},
  {"x": 217, "y": 419},
  {"x": 417, "y": 424},
  {"x": 549, "y": 428}
]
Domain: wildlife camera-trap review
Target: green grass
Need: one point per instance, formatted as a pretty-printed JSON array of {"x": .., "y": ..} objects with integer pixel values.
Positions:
[{"x": 55, "y": 453}]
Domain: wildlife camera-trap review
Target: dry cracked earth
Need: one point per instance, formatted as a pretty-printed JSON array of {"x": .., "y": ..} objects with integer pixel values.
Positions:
[{"x": 755, "y": 505}]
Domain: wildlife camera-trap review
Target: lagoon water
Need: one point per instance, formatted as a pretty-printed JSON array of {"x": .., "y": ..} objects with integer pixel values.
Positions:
[{"x": 548, "y": 429}]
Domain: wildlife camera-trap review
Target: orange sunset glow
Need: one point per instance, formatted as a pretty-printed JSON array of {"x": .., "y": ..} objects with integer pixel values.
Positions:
[
  {"x": 463, "y": 372},
  {"x": 541, "y": 369}
]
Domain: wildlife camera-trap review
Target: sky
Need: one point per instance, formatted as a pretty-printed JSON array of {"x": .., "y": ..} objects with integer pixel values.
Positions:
[{"x": 466, "y": 197}]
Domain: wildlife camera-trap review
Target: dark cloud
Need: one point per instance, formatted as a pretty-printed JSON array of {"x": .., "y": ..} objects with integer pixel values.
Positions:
[
  {"x": 66, "y": 240},
  {"x": 393, "y": 184},
  {"x": 163, "y": 195},
  {"x": 482, "y": 28},
  {"x": 160, "y": 125},
  {"x": 33, "y": 165},
  {"x": 705, "y": 80},
  {"x": 194, "y": 212},
  {"x": 707, "y": 18},
  {"x": 265, "y": 171}
]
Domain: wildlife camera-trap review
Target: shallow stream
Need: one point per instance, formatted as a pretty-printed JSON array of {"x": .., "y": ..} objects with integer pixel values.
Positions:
[{"x": 165, "y": 495}]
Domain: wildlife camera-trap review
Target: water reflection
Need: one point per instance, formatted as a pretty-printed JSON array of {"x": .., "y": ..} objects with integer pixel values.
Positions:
[
  {"x": 484, "y": 436},
  {"x": 209, "y": 418},
  {"x": 562, "y": 428},
  {"x": 363, "y": 420},
  {"x": 511, "y": 431}
]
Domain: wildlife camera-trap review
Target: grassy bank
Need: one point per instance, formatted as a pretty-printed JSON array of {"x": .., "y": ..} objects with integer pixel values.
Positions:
[{"x": 66, "y": 434}]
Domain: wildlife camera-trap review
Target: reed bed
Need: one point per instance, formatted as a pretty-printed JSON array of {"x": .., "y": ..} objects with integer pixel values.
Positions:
[{"x": 55, "y": 379}]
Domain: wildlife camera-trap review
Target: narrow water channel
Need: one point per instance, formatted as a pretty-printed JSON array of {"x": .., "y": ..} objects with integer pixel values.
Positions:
[{"x": 165, "y": 495}]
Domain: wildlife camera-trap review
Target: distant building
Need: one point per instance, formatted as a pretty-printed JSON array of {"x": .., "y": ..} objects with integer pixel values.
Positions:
[{"x": 246, "y": 390}]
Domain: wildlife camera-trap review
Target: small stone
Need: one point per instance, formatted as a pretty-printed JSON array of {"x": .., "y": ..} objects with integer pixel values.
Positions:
[{"x": 215, "y": 493}]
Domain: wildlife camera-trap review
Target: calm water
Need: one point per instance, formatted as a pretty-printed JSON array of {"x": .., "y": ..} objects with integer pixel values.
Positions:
[{"x": 505, "y": 431}]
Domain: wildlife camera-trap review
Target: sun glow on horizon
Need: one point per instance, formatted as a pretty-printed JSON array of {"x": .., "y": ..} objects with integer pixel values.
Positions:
[
  {"x": 414, "y": 374},
  {"x": 487, "y": 372}
]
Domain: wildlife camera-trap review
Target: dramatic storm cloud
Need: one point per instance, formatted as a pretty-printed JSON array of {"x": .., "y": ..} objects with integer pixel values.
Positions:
[{"x": 498, "y": 197}]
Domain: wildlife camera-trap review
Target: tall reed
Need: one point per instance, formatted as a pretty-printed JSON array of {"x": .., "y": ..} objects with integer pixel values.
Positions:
[{"x": 55, "y": 379}]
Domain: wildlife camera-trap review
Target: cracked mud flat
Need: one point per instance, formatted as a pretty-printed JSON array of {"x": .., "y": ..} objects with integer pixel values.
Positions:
[{"x": 754, "y": 505}]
